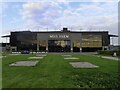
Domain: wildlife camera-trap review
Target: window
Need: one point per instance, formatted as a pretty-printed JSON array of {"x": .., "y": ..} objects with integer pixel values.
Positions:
[{"x": 91, "y": 41}]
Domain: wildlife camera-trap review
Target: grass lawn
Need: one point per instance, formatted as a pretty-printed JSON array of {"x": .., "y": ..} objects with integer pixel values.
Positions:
[{"x": 55, "y": 72}]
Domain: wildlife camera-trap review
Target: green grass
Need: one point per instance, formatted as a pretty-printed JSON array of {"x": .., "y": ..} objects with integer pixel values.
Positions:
[{"x": 55, "y": 72}]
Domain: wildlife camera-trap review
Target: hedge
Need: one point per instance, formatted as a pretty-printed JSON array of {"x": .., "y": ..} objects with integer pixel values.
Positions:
[{"x": 109, "y": 52}]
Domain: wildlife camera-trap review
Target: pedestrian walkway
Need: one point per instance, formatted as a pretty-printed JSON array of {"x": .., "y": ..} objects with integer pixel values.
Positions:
[
  {"x": 106, "y": 57},
  {"x": 109, "y": 57}
]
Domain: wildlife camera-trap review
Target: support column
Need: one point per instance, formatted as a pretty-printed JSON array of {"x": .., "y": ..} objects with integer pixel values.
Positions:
[
  {"x": 102, "y": 47},
  {"x": 46, "y": 45},
  {"x": 37, "y": 45},
  {"x": 105, "y": 48},
  {"x": 71, "y": 46},
  {"x": 81, "y": 43},
  {"x": 80, "y": 49}
]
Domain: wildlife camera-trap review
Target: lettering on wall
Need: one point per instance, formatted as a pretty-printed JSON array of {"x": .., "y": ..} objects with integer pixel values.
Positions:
[{"x": 59, "y": 36}]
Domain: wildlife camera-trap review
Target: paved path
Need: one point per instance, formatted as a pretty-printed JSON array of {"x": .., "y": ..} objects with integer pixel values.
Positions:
[
  {"x": 106, "y": 57},
  {"x": 112, "y": 58}
]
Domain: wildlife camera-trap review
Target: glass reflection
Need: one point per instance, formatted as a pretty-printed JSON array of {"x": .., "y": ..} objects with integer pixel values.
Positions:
[{"x": 59, "y": 45}]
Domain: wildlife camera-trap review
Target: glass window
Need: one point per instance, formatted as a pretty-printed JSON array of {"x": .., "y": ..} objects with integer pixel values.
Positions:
[
  {"x": 76, "y": 43},
  {"x": 91, "y": 41},
  {"x": 42, "y": 43}
]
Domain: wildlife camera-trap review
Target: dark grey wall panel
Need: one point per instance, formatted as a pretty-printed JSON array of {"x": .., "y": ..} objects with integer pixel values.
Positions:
[{"x": 59, "y": 36}]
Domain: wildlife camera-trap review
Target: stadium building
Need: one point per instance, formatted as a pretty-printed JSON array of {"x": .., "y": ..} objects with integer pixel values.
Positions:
[{"x": 60, "y": 41}]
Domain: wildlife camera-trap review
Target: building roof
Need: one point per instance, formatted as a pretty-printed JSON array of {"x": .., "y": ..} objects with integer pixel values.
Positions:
[
  {"x": 65, "y": 30},
  {"x": 6, "y": 36},
  {"x": 111, "y": 35},
  {"x": 62, "y": 31}
]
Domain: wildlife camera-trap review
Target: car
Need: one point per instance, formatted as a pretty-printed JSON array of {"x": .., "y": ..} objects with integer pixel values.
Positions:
[{"x": 25, "y": 52}]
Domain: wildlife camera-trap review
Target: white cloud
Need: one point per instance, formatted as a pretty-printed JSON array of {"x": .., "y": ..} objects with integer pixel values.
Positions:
[
  {"x": 90, "y": 15},
  {"x": 91, "y": 8},
  {"x": 51, "y": 15},
  {"x": 34, "y": 6},
  {"x": 42, "y": 13}
]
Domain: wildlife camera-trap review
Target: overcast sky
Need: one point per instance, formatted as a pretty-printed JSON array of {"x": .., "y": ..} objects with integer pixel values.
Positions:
[{"x": 75, "y": 14}]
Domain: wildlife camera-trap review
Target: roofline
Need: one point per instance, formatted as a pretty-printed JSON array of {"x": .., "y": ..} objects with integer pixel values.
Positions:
[
  {"x": 111, "y": 35},
  {"x": 61, "y": 31},
  {"x": 5, "y": 36}
]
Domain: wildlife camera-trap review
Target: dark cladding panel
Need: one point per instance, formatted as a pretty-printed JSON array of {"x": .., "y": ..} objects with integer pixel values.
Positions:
[
  {"x": 42, "y": 36},
  {"x": 53, "y": 36},
  {"x": 13, "y": 39},
  {"x": 75, "y": 36},
  {"x": 27, "y": 36},
  {"x": 24, "y": 40},
  {"x": 105, "y": 39}
]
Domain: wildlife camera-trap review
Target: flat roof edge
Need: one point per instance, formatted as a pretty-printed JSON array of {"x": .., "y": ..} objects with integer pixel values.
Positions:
[
  {"x": 59, "y": 31},
  {"x": 111, "y": 35}
]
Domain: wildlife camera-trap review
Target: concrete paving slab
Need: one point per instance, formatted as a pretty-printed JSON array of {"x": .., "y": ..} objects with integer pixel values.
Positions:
[
  {"x": 41, "y": 55},
  {"x": 35, "y": 58},
  {"x": 83, "y": 65},
  {"x": 2, "y": 56},
  {"x": 14, "y": 54},
  {"x": 111, "y": 58},
  {"x": 24, "y": 63},
  {"x": 71, "y": 58},
  {"x": 66, "y": 55}
]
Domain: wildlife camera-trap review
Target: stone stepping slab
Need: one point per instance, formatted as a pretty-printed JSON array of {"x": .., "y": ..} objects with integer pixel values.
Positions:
[
  {"x": 24, "y": 63},
  {"x": 2, "y": 56},
  {"x": 35, "y": 58},
  {"x": 14, "y": 54},
  {"x": 66, "y": 55},
  {"x": 71, "y": 58},
  {"x": 83, "y": 65},
  {"x": 41, "y": 55}
]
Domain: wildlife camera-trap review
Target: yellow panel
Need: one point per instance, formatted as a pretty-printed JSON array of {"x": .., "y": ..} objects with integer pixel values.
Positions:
[
  {"x": 76, "y": 43},
  {"x": 91, "y": 41},
  {"x": 42, "y": 43}
]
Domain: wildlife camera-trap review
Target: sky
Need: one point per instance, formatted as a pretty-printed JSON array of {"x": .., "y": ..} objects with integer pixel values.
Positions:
[{"x": 77, "y": 15}]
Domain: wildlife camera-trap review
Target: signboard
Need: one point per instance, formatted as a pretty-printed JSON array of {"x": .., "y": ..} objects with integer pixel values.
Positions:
[{"x": 59, "y": 36}]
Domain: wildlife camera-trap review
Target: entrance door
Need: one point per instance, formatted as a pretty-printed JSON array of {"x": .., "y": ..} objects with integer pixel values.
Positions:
[{"x": 59, "y": 45}]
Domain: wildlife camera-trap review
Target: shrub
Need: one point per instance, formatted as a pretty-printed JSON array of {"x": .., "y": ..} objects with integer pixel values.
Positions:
[
  {"x": 109, "y": 52},
  {"x": 97, "y": 80}
]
